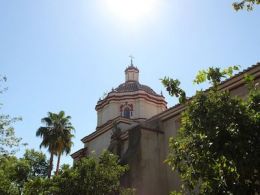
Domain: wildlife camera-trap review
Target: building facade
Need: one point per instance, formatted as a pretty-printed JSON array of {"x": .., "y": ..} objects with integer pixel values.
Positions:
[{"x": 134, "y": 123}]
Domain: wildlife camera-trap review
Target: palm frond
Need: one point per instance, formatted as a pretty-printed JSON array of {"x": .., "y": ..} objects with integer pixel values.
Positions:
[{"x": 57, "y": 134}]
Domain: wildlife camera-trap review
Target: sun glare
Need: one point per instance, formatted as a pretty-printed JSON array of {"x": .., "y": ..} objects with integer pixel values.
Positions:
[{"x": 131, "y": 11}]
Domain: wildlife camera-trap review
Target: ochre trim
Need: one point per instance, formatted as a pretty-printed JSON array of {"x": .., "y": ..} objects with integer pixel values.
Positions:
[{"x": 116, "y": 97}]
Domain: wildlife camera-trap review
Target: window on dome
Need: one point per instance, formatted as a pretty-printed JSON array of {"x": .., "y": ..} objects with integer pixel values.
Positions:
[{"x": 127, "y": 112}]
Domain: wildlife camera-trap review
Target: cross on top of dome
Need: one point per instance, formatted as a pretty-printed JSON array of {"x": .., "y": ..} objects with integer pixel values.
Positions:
[{"x": 131, "y": 57}]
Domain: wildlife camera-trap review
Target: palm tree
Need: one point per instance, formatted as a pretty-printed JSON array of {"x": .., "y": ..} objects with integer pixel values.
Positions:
[
  {"x": 64, "y": 142},
  {"x": 63, "y": 146},
  {"x": 56, "y": 135}
]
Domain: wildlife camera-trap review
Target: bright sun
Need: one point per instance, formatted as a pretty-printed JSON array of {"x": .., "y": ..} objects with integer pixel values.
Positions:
[{"x": 131, "y": 11}]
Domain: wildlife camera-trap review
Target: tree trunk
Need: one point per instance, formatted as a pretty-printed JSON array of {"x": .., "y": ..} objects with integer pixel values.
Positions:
[
  {"x": 58, "y": 164},
  {"x": 50, "y": 167}
]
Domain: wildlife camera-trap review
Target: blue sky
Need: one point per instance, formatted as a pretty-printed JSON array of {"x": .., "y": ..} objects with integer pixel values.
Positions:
[{"x": 63, "y": 55}]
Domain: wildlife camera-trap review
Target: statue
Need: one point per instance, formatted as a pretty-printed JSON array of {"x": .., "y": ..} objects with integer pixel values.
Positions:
[{"x": 116, "y": 142}]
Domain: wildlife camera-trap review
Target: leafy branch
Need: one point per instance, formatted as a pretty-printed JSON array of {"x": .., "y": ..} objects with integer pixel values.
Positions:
[
  {"x": 246, "y": 4},
  {"x": 9, "y": 143},
  {"x": 172, "y": 86},
  {"x": 214, "y": 75}
]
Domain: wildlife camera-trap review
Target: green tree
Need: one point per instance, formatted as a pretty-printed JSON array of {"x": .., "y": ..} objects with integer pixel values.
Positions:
[
  {"x": 92, "y": 177},
  {"x": 40, "y": 186},
  {"x": 14, "y": 172},
  {"x": 9, "y": 143},
  {"x": 19, "y": 170},
  {"x": 56, "y": 135},
  {"x": 245, "y": 4},
  {"x": 7, "y": 186},
  {"x": 216, "y": 150},
  {"x": 37, "y": 162},
  {"x": 89, "y": 176},
  {"x": 64, "y": 137}
]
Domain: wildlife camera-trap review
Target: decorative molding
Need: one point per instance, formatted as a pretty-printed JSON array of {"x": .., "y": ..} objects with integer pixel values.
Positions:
[
  {"x": 106, "y": 127},
  {"x": 134, "y": 96}
]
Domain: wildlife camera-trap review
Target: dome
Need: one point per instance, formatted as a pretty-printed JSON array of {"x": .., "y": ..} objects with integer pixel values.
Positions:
[
  {"x": 130, "y": 100},
  {"x": 134, "y": 86}
]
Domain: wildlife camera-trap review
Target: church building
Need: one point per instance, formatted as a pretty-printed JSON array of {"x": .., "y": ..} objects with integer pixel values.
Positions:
[{"x": 133, "y": 121}]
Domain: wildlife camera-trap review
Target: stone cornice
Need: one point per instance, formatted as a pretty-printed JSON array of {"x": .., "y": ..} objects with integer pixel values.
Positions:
[
  {"x": 106, "y": 127},
  {"x": 79, "y": 153},
  {"x": 131, "y": 95}
]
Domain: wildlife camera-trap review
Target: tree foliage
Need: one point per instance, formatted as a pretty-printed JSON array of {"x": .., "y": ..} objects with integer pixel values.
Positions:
[
  {"x": 14, "y": 172},
  {"x": 9, "y": 142},
  {"x": 7, "y": 171},
  {"x": 172, "y": 86},
  {"x": 246, "y": 4},
  {"x": 37, "y": 163},
  {"x": 214, "y": 75},
  {"x": 216, "y": 150},
  {"x": 56, "y": 136},
  {"x": 86, "y": 177}
]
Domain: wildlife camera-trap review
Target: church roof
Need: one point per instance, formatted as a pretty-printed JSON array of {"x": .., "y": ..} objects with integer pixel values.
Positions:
[{"x": 134, "y": 86}]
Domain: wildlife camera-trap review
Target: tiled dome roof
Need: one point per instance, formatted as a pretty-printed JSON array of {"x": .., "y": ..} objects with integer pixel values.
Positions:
[{"x": 134, "y": 86}]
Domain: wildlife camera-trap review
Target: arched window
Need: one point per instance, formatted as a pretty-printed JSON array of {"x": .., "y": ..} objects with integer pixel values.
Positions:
[{"x": 127, "y": 112}]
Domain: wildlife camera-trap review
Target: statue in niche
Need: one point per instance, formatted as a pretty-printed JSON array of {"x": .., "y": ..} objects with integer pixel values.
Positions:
[{"x": 116, "y": 141}]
